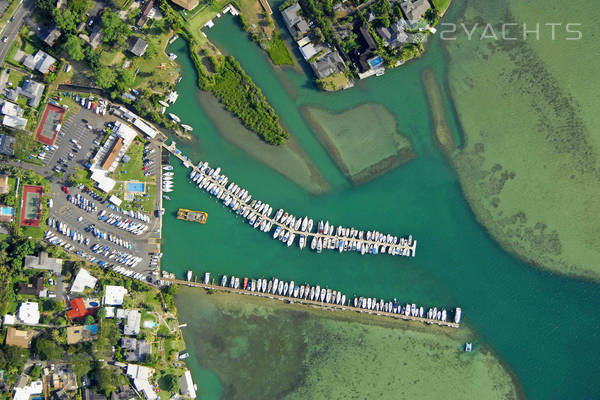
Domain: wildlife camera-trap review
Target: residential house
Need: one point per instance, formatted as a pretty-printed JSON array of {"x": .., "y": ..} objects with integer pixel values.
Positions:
[
  {"x": 4, "y": 188},
  {"x": 61, "y": 395},
  {"x": 79, "y": 310},
  {"x": 29, "y": 313},
  {"x": 42, "y": 261},
  {"x": 40, "y": 61},
  {"x": 394, "y": 36},
  {"x": 14, "y": 122},
  {"x": 141, "y": 376},
  {"x": 49, "y": 35},
  {"x": 19, "y": 338},
  {"x": 24, "y": 392},
  {"x": 114, "y": 295},
  {"x": 133, "y": 320},
  {"x": 32, "y": 90},
  {"x": 137, "y": 350},
  {"x": 62, "y": 377},
  {"x": 124, "y": 392},
  {"x": 367, "y": 48},
  {"x": 145, "y": 13},
  {"x": 137, "y": 45},
  {"x": 9, "y": 319},
  {"x": 88, "y": 394},
  {"x": 296, "y": 24},
  {"x": 33, "y": 287},
  {"x": 83, "y": 280},
  {"x": 414, "y": 10},
  {"x": 79, "y": 334},
  {"x": 95, "y": 39},
  {"x": 186, "y": 385},
  {"x": 7, "y": 145},
  {"x": 8, "y": 108},
  {"x": 328, "y": 64}
]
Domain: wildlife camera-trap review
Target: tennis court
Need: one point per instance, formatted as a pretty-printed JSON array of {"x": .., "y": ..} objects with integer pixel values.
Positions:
[
  {"x": 31, "y": 206},
  {"x": 52, "y": 118}
]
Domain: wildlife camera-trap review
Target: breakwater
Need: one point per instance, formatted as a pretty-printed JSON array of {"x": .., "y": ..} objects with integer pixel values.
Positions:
[{"x": 286, "y": 226}]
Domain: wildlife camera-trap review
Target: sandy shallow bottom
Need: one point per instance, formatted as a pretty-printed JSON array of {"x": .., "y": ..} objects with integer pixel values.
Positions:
[
  {"x": 530, "y": 165},
  {"x": 364, "y": 141},
  {"x": 288, "y": 159},
  {"x": 264, "y": 349}
]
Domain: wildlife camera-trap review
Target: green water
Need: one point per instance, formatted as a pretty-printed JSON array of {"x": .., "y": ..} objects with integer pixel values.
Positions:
[{"x": 545, "y": 327}]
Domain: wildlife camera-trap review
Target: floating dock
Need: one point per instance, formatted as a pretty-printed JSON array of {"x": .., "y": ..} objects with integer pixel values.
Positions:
[
  {"x": 287, "y": 227},
  {"x": 324, "y": 305}
]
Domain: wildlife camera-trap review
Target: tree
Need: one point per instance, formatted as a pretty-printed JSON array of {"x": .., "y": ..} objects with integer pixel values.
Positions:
[
  {"x": 171, "y": 383},
  {"x": 46, "y": 6},
  {"x": 113, "y": 27},
  {"x": 36, "y": 372},
  {"x": 47, "y": 349},
  {"x": 79, "y": 7},
  {"x": 81, "y": 364},
  {"x": 126, "y": 79},
  {"x": 92, "y": 58},
  {"x": 105, "y": 78},
  {"x": 73, "y": 46},
  {"x": 89, "y": 320},
  {"x": 15, "y": 359},
  {"x": 65, "y": 20}
]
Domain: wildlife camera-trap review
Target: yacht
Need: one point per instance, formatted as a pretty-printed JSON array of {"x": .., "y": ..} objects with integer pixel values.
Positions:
[
  {"x": 320, "y": 227},
  {"x": 206, "y": 278},
  {"x": 278, "y": 215},
  {"x": 317, "y": 292},
  {"x": 291, "y": 240},
  {"x": 457, "y": 315},
  {"x": 174, "y": 117},
  {"x": 306, "y": 291},
  {"x": 338, "y": 298},
  {"x": 310, "y": 225},
  {"x": 302, "y": 241},
  {"x": 189, "y": 275},
  {"x": 319, "y": 245},
  {"x": 224, "y": 280},
  {"x": 296, "y": 291},
  {"x": 328, "y": 296},
  {"x": 343, "y": 300},
  {"x": 313, "y": 243},
  {"x": 304, "y": 224},
  {"x": 237, "y": 283}
]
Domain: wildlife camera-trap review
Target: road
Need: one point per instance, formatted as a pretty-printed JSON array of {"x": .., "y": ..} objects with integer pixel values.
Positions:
[{"x": 12, "y": 28}]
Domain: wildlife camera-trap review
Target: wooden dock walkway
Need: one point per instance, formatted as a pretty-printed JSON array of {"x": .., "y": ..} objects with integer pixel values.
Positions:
[
  {"x": 402, "y": 246},
  {"x": 330, "y": 306}
]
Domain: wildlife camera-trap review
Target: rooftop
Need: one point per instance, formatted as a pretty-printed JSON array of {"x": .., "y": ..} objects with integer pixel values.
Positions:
[
  {"x": 137, "y": 45},
  {"x": 7, "y": 145},
  {"x": 19, "y": 338},
  {"x": 29, "y": 313},
  {"x": 82, "y": 280},
  {"x": 78, "y": 309},
  {"x": 114, "y": 295}
]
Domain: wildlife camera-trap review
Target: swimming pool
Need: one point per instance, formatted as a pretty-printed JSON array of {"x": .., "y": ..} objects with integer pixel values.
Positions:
[
  {"x": 374, "y": 62},
  {"x": 7, "y": 211},
  {"x": 91, "y": 328},
  {"x": 93, "y": 304},
  {"x": 135, "y": 187}
]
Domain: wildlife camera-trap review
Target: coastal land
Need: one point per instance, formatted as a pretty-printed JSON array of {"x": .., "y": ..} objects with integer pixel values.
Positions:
[
  {"x": 360, "y": 156},
  {"x": 530, "y": 172},
  {"x": 266, "y": 349}
]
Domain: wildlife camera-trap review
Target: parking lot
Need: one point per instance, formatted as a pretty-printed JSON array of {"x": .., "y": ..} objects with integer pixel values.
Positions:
[{"x": 84, "y": 222}]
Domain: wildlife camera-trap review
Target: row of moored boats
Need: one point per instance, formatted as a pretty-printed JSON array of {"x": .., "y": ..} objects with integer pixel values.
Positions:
[
  {"x": 287, "y": 227},
  {"x": 325, "y": 295}
]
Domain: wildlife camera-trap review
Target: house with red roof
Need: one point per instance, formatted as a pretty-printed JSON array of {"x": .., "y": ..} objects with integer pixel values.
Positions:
[{"x": 79, "y": 311}]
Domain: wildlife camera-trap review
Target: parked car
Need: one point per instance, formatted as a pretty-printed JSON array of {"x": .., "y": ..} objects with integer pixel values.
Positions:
[{"x": 65, "y": 189}]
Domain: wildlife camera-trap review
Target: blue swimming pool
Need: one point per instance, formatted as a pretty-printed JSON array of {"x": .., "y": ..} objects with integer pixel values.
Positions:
[
  {"x": 7, "y": 211},
  {"x": 374, "y": 62},
  {"x": 93, "y": 304},
  {"x": 135, "y": 187},
  {"x": 91, "y": 328}
]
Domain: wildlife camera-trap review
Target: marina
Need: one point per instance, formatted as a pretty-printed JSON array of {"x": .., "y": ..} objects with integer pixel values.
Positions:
[
  {"x": 323, "y": 297},
  {"x": 285, "y": 226}
]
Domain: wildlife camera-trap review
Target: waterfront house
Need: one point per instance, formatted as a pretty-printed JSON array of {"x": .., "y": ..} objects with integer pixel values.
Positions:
[
  {"x": 394, "y": 36},
  {"x": 328, "y": 64},
  {"x": 24, "y": 391},
  {"x": 187, "y": 4},
  {"x": 186, "y": 385},
  {"x": 414, "y": 10},
  {"x": 133, "y": 321},
  {"x": 295, "y": 23},
  {"x": 137, "y": 350},
  {"x": 141, "y": 376},
  {"x": 136, "y": 45}
]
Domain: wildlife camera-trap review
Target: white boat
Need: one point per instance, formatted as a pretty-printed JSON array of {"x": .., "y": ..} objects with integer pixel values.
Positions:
[
  {"x": 275, "y": 285},
  {"x": 306, "y": 291},
  {"x": 189, "y": 275},
  {"x": 167, "y": 190},
  {"x": 317, "y": 292},
  {"x": 168, "y": 167},
  {"x": 174, "y": 117},
  {"x": 310, "y": 225},
  {"x": 323, "y": 294},
  {"x": 206, "y": 278},
  {"x": 301, "y": 292},
  {"x": 296, "y": 291},
  {"x": 278, "y": 215},
  {"x": 313, "y": 243},
  {"x": 457, "y": 315},
  {"x": 187, "y": 128},
  {"x": 291, "y": 289},
  {"x": 163, "y": 103},
  {"x": 369, "y": 303},
  {"x": 170, "y": 173},
  {"x": 338, "y": 298},
  {"x": 343, "y": 300},
  {"x": 291, "y": 239},
  {"x": 280, "y": 288},
  {"x": 302, "y": 241},
  {"x": 328, "y": 296},
  {"x": 312, "y": 293},
  {"x": 304, "y": 224}
]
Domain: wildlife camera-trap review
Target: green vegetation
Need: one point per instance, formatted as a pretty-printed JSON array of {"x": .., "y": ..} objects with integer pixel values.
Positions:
[
  {"x": 278, "y": 51},
  {"x": 333, "y": 82},
  {"x": 441, "y": 5},
  {"x": 240, "y": 95},
  {"x": 132, "y": 171}
]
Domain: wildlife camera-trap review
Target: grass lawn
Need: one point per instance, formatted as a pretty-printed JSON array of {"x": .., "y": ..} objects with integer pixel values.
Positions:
[
  {"x": 206, "y": 13},
  {"x": 132, "y": 171},
  {"x": 25, "y": 146},
  {"x": 155, "y": 70},
  {"x": 143, "y": 202},
  {"x": 279, "y": 52},
  {"x": 333, "y": 82},
  {"x": 16, "y": 78},
  {"x": 441, "y": 5},
  {"x": 83, "y": 176}
]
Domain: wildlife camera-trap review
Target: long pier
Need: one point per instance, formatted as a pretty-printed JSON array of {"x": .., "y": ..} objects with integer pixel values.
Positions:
[
  {"x": 405, "y": 247},
  {"x": 329, "y": 306}
]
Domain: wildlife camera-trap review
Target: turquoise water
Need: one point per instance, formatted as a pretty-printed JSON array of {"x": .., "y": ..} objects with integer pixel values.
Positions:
[
  {"x": 7, "y": 211},
  {"x": 91, "y": 328},
  {"x": 545, "y": 327},
  {"x": 135, "y": 187}
]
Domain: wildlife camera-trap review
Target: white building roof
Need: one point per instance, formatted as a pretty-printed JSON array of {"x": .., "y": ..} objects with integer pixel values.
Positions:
[
  {"x": 29, "y": 313},
  {"x": 25, "y": 392},
  {"x": 144, "y": 127},
  {"x": 115, "y": 200},
  {"x": 308, "y": 51},
  {"x": 110, "y": 312},
  {"x": 140, "y": 375},
  {"x": 14, "y": 122},
  {"x": 186, "y": 385},
  {"x": 9, "y": 319},
  {"x": 113, "y": 295},
  {"x": 104, "y": 183},
  {"x": 9, "y": 108},
  {"x": 82, "y": 280},
  {"x": 132, "y": 326}
]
